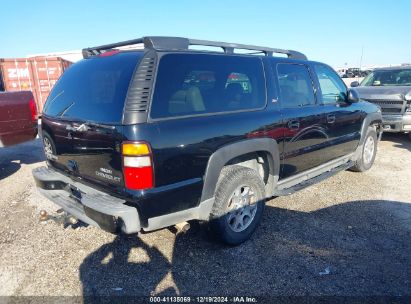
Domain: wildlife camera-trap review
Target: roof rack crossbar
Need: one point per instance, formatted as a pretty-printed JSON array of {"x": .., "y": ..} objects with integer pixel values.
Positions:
[
  {"x": 179, "y": 43},
  {"x": 231, "y": 46}
]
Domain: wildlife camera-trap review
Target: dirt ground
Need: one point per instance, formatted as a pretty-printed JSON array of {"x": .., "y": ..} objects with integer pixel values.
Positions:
[{"x": 349, "y": 235}]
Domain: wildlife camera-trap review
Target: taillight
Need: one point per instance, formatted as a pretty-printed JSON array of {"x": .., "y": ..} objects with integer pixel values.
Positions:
[
  {"x": 138, "y": 166},
  {"x": 33, "y": 109}
]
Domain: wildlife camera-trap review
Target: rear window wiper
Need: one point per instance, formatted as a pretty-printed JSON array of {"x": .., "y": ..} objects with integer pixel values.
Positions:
[
  {"x": 65, "y": 109},
  {"x": 55, "y": 97}
]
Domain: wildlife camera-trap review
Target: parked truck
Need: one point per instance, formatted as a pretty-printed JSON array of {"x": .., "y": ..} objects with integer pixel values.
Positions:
[
  {"x": 18, "y": 118},
  {"x": 390, "y": 89}
]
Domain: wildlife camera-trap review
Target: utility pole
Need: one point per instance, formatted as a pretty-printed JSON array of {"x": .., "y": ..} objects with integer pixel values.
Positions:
[{"x": 362, "y": 53}]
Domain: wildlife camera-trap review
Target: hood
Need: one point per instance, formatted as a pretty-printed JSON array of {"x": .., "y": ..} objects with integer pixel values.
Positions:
[{"x": 383, "y": 92}]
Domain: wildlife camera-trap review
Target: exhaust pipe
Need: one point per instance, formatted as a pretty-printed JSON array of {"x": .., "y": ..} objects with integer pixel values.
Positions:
[{"x": 182, "y": 227}]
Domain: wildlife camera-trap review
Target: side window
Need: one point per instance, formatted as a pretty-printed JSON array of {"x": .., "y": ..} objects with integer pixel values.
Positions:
[
  {"x": 296, "y": 87},
  {"x": 237, "y": 90},
  {"x": 332, "y": 87},
  {"x": 241, "y": 79},
  {"x": 202, "y": 79},
  {"x": 194, "y": 84}
]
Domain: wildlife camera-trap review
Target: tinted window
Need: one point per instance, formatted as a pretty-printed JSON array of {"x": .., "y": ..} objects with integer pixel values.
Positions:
[
  {"x": 332, "y": 87},
  {"x": 193, "y": 84},
  {"x": 388, "y": 78},
  {"x": 93, "y": 89},
  {"x": 296, "y": 87},
  {"x": 241, "y": 79}
]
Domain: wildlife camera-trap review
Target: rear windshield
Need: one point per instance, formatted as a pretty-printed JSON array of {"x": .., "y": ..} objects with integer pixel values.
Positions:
[{"x": 93, "y": 89}]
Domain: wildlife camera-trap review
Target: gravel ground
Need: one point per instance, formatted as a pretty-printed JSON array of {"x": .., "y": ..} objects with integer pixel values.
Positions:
[{"x": 349, "y": 235}]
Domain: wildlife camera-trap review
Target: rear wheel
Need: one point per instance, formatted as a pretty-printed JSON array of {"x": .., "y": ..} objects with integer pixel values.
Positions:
[
  {"x": 238, "y": 206},
  {"x": 369, "y": 151}
]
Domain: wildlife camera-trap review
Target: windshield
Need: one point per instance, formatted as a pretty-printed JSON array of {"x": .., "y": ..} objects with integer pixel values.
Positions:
[
  {"x": 388, "y": 78},
  {"x": 93, "y": 89}
]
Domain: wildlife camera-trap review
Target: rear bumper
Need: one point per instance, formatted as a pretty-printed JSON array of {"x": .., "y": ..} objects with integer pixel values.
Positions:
[
  {"x": 396, "y": 123},
  {"x": 87, "y": 204}
]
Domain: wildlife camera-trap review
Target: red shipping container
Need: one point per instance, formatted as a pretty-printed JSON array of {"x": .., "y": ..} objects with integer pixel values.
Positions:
[
  {"x": 17, "y": 74},
  {"x": 37, "y": 74}
]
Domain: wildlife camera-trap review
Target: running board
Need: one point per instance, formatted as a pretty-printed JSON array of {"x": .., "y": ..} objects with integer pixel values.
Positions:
[{"x": 284, "y": 189}]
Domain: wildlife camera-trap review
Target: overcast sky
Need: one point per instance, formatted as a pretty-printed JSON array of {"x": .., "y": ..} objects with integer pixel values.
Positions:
[{"x": 334, "y": 32}]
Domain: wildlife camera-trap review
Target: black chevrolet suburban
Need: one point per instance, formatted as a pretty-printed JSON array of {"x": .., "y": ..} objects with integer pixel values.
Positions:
[{"x": 138, "y": 140}]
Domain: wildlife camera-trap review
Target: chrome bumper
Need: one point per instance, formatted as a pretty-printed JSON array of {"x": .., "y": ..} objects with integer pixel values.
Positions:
[
  {"x": 85, "y": 203},
  {"x": 396, "y": 123}
]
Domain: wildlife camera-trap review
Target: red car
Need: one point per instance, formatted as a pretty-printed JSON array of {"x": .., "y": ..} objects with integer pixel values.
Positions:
[{"x": 18, "y": 118}]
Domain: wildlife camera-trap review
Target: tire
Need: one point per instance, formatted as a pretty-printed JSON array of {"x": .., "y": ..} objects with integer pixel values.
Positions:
[
  {"x": 369, "y": 150},
  {"x": 229, "y": 221},
  {"x": 48, "y": 144}
]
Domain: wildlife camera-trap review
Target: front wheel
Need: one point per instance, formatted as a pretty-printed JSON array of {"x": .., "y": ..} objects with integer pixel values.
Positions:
[
  {"x": 369, "y": 151},
  {"x": 238, "y": 205}
]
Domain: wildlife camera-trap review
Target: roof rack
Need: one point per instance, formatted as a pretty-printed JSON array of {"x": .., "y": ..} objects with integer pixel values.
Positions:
[{"x": 179, "y": 43}]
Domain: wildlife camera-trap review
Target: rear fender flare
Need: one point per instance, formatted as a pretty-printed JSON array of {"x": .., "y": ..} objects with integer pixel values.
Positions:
[{"x": 226, "y": 153}]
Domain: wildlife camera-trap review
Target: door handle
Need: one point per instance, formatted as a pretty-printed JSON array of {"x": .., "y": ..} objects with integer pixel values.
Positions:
[
  {"x": 70, "y": 128},
  {"x": 330, "y": 118},
  {"x": 293, "y": 124},
  {"x": 80, "y": 128}
]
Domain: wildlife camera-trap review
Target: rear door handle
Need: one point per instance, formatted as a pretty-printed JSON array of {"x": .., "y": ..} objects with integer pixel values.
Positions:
[
  {"x": 80, "y": 128},
  {"x": 70, "y": 128},
  {"x": 330, "y": 118},
  {"x": 293, "y": 124}
]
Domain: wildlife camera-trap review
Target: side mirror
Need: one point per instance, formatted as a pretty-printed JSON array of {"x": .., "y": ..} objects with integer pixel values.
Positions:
[
  {"x": 353, "y": 96},
  {"x": 354, "y": 84},
  {"x": 408, "y": 96}
]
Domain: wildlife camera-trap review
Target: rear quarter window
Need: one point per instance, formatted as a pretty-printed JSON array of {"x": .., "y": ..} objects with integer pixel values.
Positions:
[
  {"x": 93, "y": 89},
  {"x": 196, "y": 84}
]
